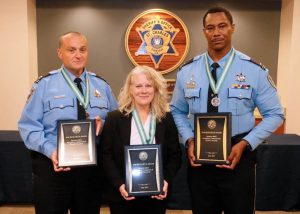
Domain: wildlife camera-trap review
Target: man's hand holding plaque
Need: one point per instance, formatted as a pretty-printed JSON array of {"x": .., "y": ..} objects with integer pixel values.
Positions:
[
  {"x": 235, "y": 155},
  {"x": 191, "y": 152}
]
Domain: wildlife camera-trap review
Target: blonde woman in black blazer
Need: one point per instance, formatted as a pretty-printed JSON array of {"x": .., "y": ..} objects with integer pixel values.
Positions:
[{"x": 144, "y": 93}]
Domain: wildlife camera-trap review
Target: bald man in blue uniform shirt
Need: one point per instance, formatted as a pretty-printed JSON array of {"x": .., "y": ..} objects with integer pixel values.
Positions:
[
  {"x": 244, "y": 86},
  {"x": 59, "y": 189}
]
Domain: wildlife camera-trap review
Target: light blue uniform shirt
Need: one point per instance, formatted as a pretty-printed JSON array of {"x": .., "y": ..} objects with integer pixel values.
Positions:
[
  {"x": 53, "y": 100},
  {"x": 241, "y": 102}
]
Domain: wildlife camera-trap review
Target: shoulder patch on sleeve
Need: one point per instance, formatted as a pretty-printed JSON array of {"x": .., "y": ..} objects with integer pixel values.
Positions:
[
  {"x": 259, "y": 64},
  {"x": 32, "y": 90},
  {"x": 271, "y": 81}
]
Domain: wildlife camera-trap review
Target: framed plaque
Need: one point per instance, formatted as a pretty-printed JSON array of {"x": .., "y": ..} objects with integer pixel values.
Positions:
[
  {"x": 143, "y": 165},
  {"x": 212, "y": 137},
  {"x": 76, "y": 143}
]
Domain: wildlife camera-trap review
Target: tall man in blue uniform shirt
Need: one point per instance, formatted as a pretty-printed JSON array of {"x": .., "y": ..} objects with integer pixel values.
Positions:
[
  {"x": 244, "y": 86},
  {"x": 57, "y": 189}
]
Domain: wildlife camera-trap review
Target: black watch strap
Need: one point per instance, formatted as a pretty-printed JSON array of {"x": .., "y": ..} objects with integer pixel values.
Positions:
[{"x": 249, "y": 147}]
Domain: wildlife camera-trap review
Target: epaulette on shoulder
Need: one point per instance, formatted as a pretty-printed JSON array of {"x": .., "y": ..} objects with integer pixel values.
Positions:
[
  {"x": 259, "y": 64},
  {"x": 186, "y": 63},
  {"x": 95, "y": 75},
  {"x": 101, "y": 78},
  {"x": 41, "y": 77}
]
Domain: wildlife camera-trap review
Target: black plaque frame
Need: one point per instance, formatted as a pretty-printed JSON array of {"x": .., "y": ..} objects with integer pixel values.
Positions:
[
  {"x": 80, "y": 150},
  {"x": 212, "y": 137},
  {"x": 150, "y": 181}
]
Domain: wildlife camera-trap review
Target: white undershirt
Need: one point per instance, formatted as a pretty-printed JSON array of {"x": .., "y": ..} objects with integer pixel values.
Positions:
[{"x": 135, "y": 138}]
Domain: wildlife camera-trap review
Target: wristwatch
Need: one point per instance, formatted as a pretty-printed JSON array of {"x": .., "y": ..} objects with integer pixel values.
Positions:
[{"x": 249, "y": 147}]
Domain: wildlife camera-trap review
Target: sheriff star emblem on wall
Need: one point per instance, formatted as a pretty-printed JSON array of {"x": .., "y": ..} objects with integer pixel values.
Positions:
[{"x": 157, "y": 36}]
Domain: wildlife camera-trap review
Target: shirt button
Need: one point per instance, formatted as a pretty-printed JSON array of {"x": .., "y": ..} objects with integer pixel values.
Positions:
[
  {"x": 61, "y": 106},
  {"x": 241, "y": 96}
]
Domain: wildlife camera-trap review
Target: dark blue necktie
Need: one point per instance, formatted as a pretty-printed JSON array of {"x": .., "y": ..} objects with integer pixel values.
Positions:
[
  {"x": 81, "y": 114},
  {"x": 211, "y": 94}
]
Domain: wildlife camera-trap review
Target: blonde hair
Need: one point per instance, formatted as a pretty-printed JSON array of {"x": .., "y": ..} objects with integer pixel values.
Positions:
[{"x": 159, "y": 102}]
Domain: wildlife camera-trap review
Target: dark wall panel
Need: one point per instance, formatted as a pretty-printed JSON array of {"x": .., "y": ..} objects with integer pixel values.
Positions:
[{"x": 105, "y": 23}]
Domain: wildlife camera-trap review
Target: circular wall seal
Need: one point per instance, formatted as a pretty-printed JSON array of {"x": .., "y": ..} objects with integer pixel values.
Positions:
[{"x": 157, "y": 38}]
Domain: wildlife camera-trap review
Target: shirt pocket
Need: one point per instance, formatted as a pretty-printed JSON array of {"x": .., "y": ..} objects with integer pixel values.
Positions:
[
  {"x": 99, "y": 103},
  {"x": 99, "y": 107},
  {"x": 240, "y": 100},
  {"x": 59, "y": 104},
  {"x": 192, "y": 96}
]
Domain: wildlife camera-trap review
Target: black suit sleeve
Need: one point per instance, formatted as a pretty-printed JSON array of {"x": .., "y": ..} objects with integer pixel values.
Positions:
[
  {"x": 172, "y": 151},
  {"x": 109, "y": 140}
]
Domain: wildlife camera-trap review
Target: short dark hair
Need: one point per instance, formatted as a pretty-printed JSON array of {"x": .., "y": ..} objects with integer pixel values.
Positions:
[{"x": 218, "y": 10}]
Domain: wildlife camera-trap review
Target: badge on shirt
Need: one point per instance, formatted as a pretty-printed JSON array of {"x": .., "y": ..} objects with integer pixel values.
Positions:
[
  {"x": 240, "y": 77},
  {"x": 97, "y": 93},
  {"x": 191, "y": 84}
]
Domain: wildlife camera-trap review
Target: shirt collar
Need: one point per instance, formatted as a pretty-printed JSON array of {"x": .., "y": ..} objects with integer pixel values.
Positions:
[
  {"x": 221, "y": 62},
  {"x": 73, "y": 77}
]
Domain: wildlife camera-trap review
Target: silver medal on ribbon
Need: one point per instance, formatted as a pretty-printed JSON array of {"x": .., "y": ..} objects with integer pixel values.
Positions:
[{"x": 215, "y": 101}]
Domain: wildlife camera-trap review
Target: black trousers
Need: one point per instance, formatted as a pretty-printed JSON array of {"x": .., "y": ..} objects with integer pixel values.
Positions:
[
  {"x": 78, "y": 190},
  {"x": 145, "y": 205},
  {"x": 214, "y": 190}
]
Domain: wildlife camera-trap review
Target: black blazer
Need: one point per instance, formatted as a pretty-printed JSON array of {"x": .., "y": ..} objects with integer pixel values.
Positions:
[{"x": 116, "y": 134}]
